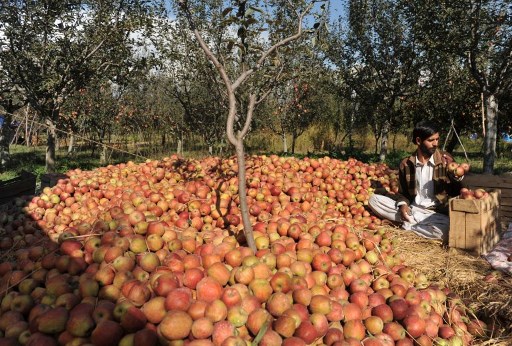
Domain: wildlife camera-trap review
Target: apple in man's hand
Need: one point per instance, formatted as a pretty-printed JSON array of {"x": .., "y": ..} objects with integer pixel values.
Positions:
[{"x": 458, "y": 170}]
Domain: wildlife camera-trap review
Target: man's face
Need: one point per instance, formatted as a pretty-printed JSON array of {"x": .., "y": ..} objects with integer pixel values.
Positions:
[{"x": 429, "y": 145}]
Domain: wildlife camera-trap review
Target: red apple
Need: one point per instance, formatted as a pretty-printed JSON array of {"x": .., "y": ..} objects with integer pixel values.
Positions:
[{"x": 176, "y": 325}]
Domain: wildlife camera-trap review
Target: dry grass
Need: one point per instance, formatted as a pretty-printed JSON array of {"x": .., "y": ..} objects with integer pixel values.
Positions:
[{"x": 464, "y": 275}]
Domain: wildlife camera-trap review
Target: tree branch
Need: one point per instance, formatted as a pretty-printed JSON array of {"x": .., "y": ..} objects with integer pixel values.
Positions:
[
  {"x": 502, "y": 71},
  {"x": 207, "y": 49},
  {"x": 472, "y": 54},
  {"x": 248, "y": 119},
  {"x": 279, "y": 44}
]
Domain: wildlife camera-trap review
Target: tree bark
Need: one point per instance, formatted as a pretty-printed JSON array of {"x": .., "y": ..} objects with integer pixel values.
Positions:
[
  {"x": 238, "y": 142},
  {"x": 103, "y": 155},
  {"x": 384, "y": 142},
  {"x": 32, "y": 132},
  {"x": 5, "y": 139},
  {"x": 294, "y": 141},
  {"x": 491, "y": 132},
  {"x": 242, "y": 192},
  {"x": 71, "y": 143},
  {"x": 285, "y": 144},
  {"x": 50, "y": 146},
  {"x": 179, "y": 148}
]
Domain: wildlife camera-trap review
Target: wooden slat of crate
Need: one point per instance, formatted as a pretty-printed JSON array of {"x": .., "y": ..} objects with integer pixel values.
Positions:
[
  {"x": 502, "y": 182},
  {"x": 25, "y": 184},
  {"x": 506, "y": 208},
  {"x": 507, "y": 193},
  {"x": 489, "y": 180},
  {"x": 457, "y": 222},
  {"x": 506, "y": 201},
  {"x": 474, "y": 224}
]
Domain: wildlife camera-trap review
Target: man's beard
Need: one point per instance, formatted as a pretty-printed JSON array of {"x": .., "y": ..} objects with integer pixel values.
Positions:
[{"x": 427, "y": 152}]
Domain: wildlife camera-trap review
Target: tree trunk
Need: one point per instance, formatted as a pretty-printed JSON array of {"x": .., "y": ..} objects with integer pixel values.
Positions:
[
  {"x": 351, "y": 120},
  {"x": 179, "y": 148},
  {"x": 294, "y": 141},
  {"x": 285, "y": 144},
  {"x": 71, "y": 143},
  {"x": 103, "y": 152},
  {"x": 16, "y": 138},
  {"x": 50, "y": 146},
  {"x": 27, "y": 132},
  {"x": 384, "y": 142},
  {"x": 32, "y": 132},
  {"x": 5, "y": 139},
  {"x": 103, "y": 155},
  {"x": 93, "y": 145},
  {"x": 491, "y": 132},
  {"x": 242, "y": 192},
  {"x": 164, "y": 140},
  {"x": 337, "y": 124}
]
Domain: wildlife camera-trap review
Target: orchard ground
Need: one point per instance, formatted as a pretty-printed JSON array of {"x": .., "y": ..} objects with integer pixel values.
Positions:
[
  {"x": 109, "y": 248},
  {"x": 313, "y": 143}
]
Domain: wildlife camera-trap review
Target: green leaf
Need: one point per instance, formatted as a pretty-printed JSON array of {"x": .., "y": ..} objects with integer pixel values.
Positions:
[
  {"x": 228, "y": 21},
  {"x": 250, "y": 21},
  {"x": 227, "y": 11},
  {"x": 261, "y": 333},
  {"x": 255, "y": 9}
]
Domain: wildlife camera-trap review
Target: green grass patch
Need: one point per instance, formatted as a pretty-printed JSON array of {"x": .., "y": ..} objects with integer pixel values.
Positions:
[{"x": 32, "y": 159}]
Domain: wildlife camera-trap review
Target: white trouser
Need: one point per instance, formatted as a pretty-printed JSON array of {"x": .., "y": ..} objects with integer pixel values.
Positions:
[{"x": 424, "y": 222}]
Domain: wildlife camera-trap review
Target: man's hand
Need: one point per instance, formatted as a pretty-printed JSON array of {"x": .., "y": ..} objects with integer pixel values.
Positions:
[
  {"x": 405, "y": 212},
  {"x": 454, "y": 170},
  {"x": 446, "y": 160}
]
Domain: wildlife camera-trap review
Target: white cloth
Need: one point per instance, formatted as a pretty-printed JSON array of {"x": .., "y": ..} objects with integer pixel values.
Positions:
[
  {"x": 425, "y": 196},
  {"x": 424, "y": 222},
  {"x": 499, "y": 256}
]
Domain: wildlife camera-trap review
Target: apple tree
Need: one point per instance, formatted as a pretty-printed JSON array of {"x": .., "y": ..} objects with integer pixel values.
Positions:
[
  {"x": 379, "y": 60},
  {"x": 51, "y": 49},
  {"x": 192, "y": 82},
  {"x": 479, "y": 34},
  {"x": 252, "y": 68},
  {"x": 298, "y": 102},
  {"x": 11, "y": 100}
]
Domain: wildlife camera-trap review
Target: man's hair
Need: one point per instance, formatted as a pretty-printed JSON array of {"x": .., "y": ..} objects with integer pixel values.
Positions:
[{"x": 423, "y": 130}]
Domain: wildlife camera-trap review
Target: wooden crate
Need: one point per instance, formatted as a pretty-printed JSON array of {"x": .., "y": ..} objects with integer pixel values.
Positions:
[
  {"x": 474, "y": 223},
  {"x": 502, "y": 182},
  {"x": 25, "y": 184}
]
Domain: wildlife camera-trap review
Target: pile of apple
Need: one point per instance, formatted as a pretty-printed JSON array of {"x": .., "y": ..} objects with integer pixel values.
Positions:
[{"x": 153, "y": 253}]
